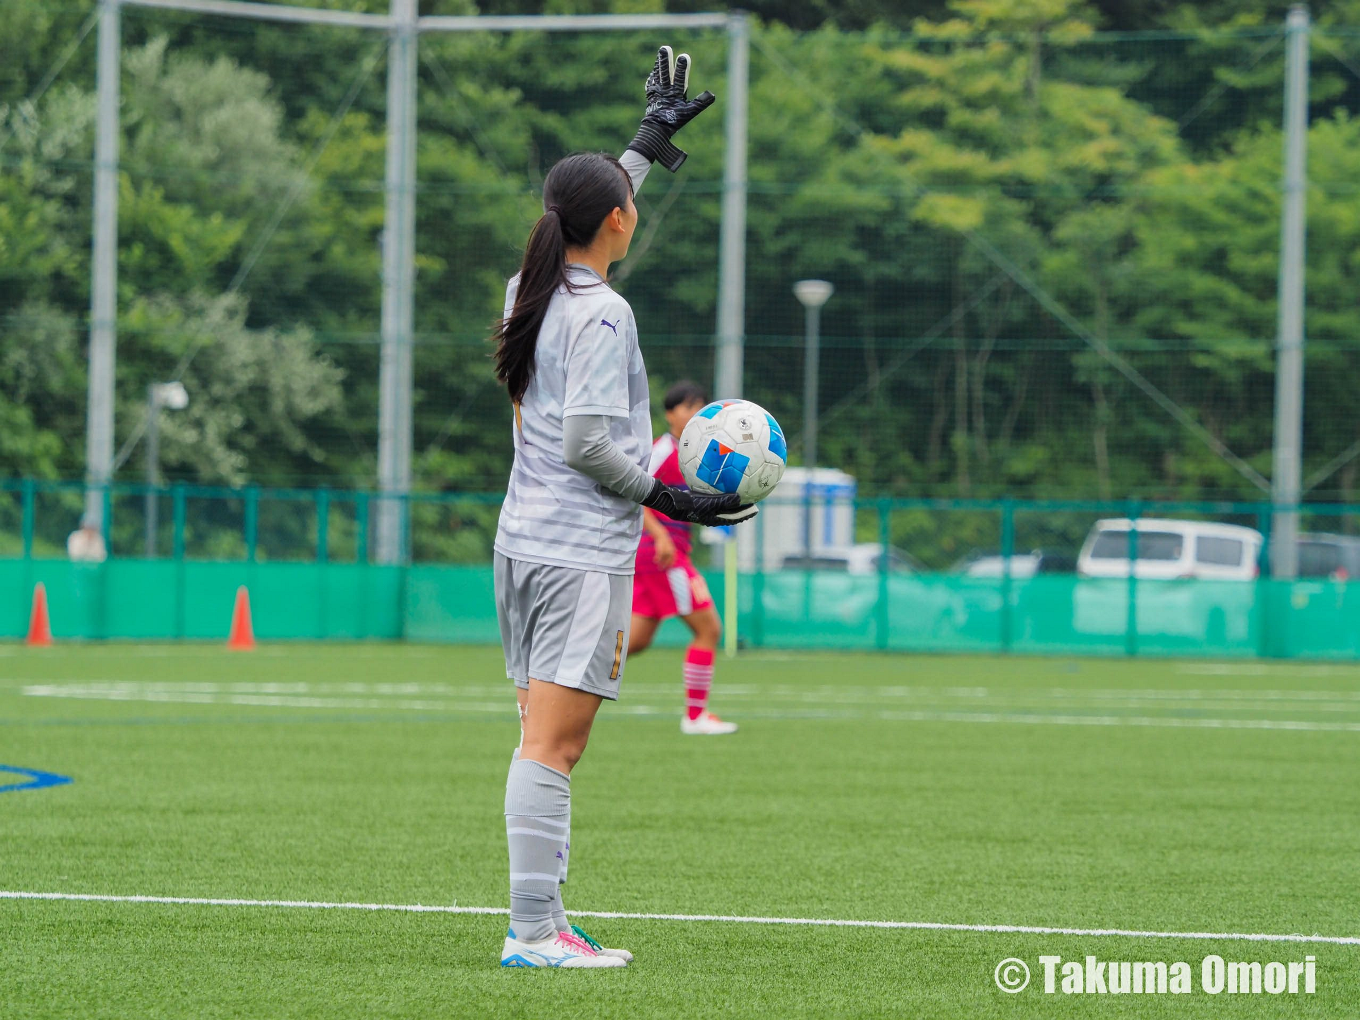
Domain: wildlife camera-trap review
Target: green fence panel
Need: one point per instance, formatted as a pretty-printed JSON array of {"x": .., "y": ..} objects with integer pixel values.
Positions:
[
  {"x": 451, "y": 603},
  {"x": 158, "y": 600},
  {"x": 75, "y": 598},
  {"x": 1180, "y": 617},
  {"x": 1046, "y": 614},
  {"x": 296, "y": 600},
  {"x": 146, "y": 599},
  {"x": 458, "y": 604},
  {"x": 1044, "y": 617},
  {"x": 1216, "y": 619},
  {"x": 364, "y": 602},
  {"x": 818, "y": 610},
  {"x": 16, "y": 595},
  {"x": 932, "y": 612},
  {"x": 1312, "y": 619},
  {"x": 134, "y": 599}
]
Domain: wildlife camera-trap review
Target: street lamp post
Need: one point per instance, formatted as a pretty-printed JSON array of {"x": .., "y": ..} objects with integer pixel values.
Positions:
[
  {"x": 812, "y": 294},
  {"x": 170, "y": 396}
]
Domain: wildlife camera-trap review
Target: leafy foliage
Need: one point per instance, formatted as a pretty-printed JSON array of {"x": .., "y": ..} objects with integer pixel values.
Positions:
[{"x": 997, "y": 191}]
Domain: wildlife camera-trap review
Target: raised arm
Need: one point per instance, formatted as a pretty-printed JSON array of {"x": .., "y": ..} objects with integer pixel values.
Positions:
[{"x": 637, "y": 165}]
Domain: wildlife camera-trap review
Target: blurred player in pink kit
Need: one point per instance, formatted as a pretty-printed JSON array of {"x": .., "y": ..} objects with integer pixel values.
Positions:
[{"x": 666, "y": 584}]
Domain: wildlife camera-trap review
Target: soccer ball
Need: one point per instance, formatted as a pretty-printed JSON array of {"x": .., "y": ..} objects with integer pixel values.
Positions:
[{"x": 733, "y": 446}]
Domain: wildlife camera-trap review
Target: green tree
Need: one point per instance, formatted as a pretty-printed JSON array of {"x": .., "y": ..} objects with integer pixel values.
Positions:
[{"x": 1204, "y": 254}]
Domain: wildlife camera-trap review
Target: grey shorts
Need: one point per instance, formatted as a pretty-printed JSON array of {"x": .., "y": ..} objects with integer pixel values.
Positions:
[{"x": 563, "y": 626}]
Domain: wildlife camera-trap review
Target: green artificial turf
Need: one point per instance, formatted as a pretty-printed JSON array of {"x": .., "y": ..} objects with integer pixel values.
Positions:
[{"x": 959, "y": 790}]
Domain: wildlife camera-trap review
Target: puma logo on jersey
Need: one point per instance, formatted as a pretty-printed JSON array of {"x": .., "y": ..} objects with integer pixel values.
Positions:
[{"x": 611, "y": 325}]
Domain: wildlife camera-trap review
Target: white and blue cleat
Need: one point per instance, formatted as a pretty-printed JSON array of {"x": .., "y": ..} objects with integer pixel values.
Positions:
[{"x": 563, "y": 949}]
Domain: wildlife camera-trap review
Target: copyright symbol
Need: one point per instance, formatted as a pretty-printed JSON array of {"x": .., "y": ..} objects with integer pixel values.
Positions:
[{"x": 1011, "y": 975}]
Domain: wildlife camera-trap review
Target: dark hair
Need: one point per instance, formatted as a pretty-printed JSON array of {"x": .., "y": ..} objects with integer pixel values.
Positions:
[
  {"x": 685, "y": 392},
  {"x": 579, "y": 192}
]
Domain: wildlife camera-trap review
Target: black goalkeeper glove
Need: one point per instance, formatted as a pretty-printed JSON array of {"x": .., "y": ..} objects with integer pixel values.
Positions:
[
  {"x": 697, "y": 508},
  {"x": 667, "y": 110}
]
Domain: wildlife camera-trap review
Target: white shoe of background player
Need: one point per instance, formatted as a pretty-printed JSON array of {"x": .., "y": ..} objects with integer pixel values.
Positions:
[{"x": 707, "y": 724}]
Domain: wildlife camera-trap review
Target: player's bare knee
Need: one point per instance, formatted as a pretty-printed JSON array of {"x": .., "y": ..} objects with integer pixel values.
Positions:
[
  {"x": 572, "y": 753},
  {"x": 707, "y": 629}
]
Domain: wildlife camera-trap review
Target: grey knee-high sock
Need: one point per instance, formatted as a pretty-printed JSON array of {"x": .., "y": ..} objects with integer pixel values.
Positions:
[
  {"x": 537, "y": 810},
  {"x": 559, "y": 912}
]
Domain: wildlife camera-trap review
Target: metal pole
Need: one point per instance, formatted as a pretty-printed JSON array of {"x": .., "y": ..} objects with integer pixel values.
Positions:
[
  {"x": 727, "y": 369},
  {"x": 1131, "y": 618},
  {"x": 398, "y": 256},
  {"x": 811, "y": 370},
  {"x": 441, "y": 23},
  {"x": 30, "y": 491},
  {"x": 561, "y": 22},
  {"x": 731, "y": 596},
  {"x": 153, "y": 456},
  {"x": 882, "y": 617},
  {"x": 177, "y": 550},
  {"x": 103, "y": 268},
  {"x": 1007, "y": 587},
  {"x": 267, "y": 12},
  {"x": 1289, "y": 359}
]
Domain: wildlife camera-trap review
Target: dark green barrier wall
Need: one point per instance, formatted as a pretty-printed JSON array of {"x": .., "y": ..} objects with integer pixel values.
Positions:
[
  {"x": 163, "y": 600},
  {"x": 167, "y": 600},
  {"x": 157, "y": 600}
]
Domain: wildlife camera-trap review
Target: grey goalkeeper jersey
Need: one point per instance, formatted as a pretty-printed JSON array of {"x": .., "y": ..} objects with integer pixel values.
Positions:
[{"x": 587, "y": 363}]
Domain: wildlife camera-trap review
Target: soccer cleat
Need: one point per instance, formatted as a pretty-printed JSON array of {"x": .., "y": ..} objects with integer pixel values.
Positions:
[
  {"x": 564, "y": 949},
  {"x": 621, "y": 954},
  {"x": 706, "y": 724}
]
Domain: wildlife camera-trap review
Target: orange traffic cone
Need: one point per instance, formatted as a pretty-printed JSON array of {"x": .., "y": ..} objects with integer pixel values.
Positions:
[
  {"x": 242, "y": 637},
  {"x": 39, "y": 625}
]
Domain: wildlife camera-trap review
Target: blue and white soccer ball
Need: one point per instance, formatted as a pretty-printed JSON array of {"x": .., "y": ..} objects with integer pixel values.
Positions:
[{"x": 733, "y": 446}]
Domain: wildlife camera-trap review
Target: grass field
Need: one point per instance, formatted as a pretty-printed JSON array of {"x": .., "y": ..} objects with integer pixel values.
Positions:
[{"x": 1144, "y": 796}]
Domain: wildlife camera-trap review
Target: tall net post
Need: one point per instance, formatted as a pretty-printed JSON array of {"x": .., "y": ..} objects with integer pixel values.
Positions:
[
  {"x": 398, "y": 294},
  {"x": 727, "y": 375},
  {"x": 103, "y": 267},
  {"x": 1288, "y": 464}
]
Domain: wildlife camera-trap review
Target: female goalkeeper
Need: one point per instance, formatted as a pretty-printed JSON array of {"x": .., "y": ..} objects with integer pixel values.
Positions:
[{"x": 567, "y": 352}]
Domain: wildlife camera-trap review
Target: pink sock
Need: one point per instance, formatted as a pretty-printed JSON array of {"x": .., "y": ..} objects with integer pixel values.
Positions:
[{"x": 698, "y": 680}]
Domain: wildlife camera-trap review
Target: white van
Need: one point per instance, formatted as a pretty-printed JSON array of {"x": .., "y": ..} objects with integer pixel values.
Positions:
[{"x": 1169, "y": 550}]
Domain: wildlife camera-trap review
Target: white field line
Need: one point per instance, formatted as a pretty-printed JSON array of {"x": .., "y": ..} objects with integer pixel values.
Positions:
[
  {"x": 1044, "y": 700},
  {"x": 822, "y": 692},
  {"x": 131, "y": 692},
  {"x": 505, "y": 706},
  {"x": 826, "y": 922},
  {"x": 1245, "y": 668},
  {"x": 1171, "y": 722},
  {"x": 263, "y": 700}
]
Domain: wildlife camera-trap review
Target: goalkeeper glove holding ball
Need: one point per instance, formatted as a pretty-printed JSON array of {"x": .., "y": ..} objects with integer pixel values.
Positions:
[{"x": 698, "y": 508}]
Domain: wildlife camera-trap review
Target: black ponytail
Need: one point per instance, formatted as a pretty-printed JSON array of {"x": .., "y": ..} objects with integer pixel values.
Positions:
[{"x": 579, "y": 192}]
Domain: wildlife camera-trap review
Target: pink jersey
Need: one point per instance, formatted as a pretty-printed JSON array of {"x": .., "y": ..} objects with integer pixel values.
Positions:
[{"x": 665, "y": 464}]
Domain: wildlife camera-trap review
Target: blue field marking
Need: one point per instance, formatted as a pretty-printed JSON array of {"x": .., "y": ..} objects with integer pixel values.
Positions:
[
  {"x": 36, "y": 779},
  {"x": 722, "y": 470}
]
